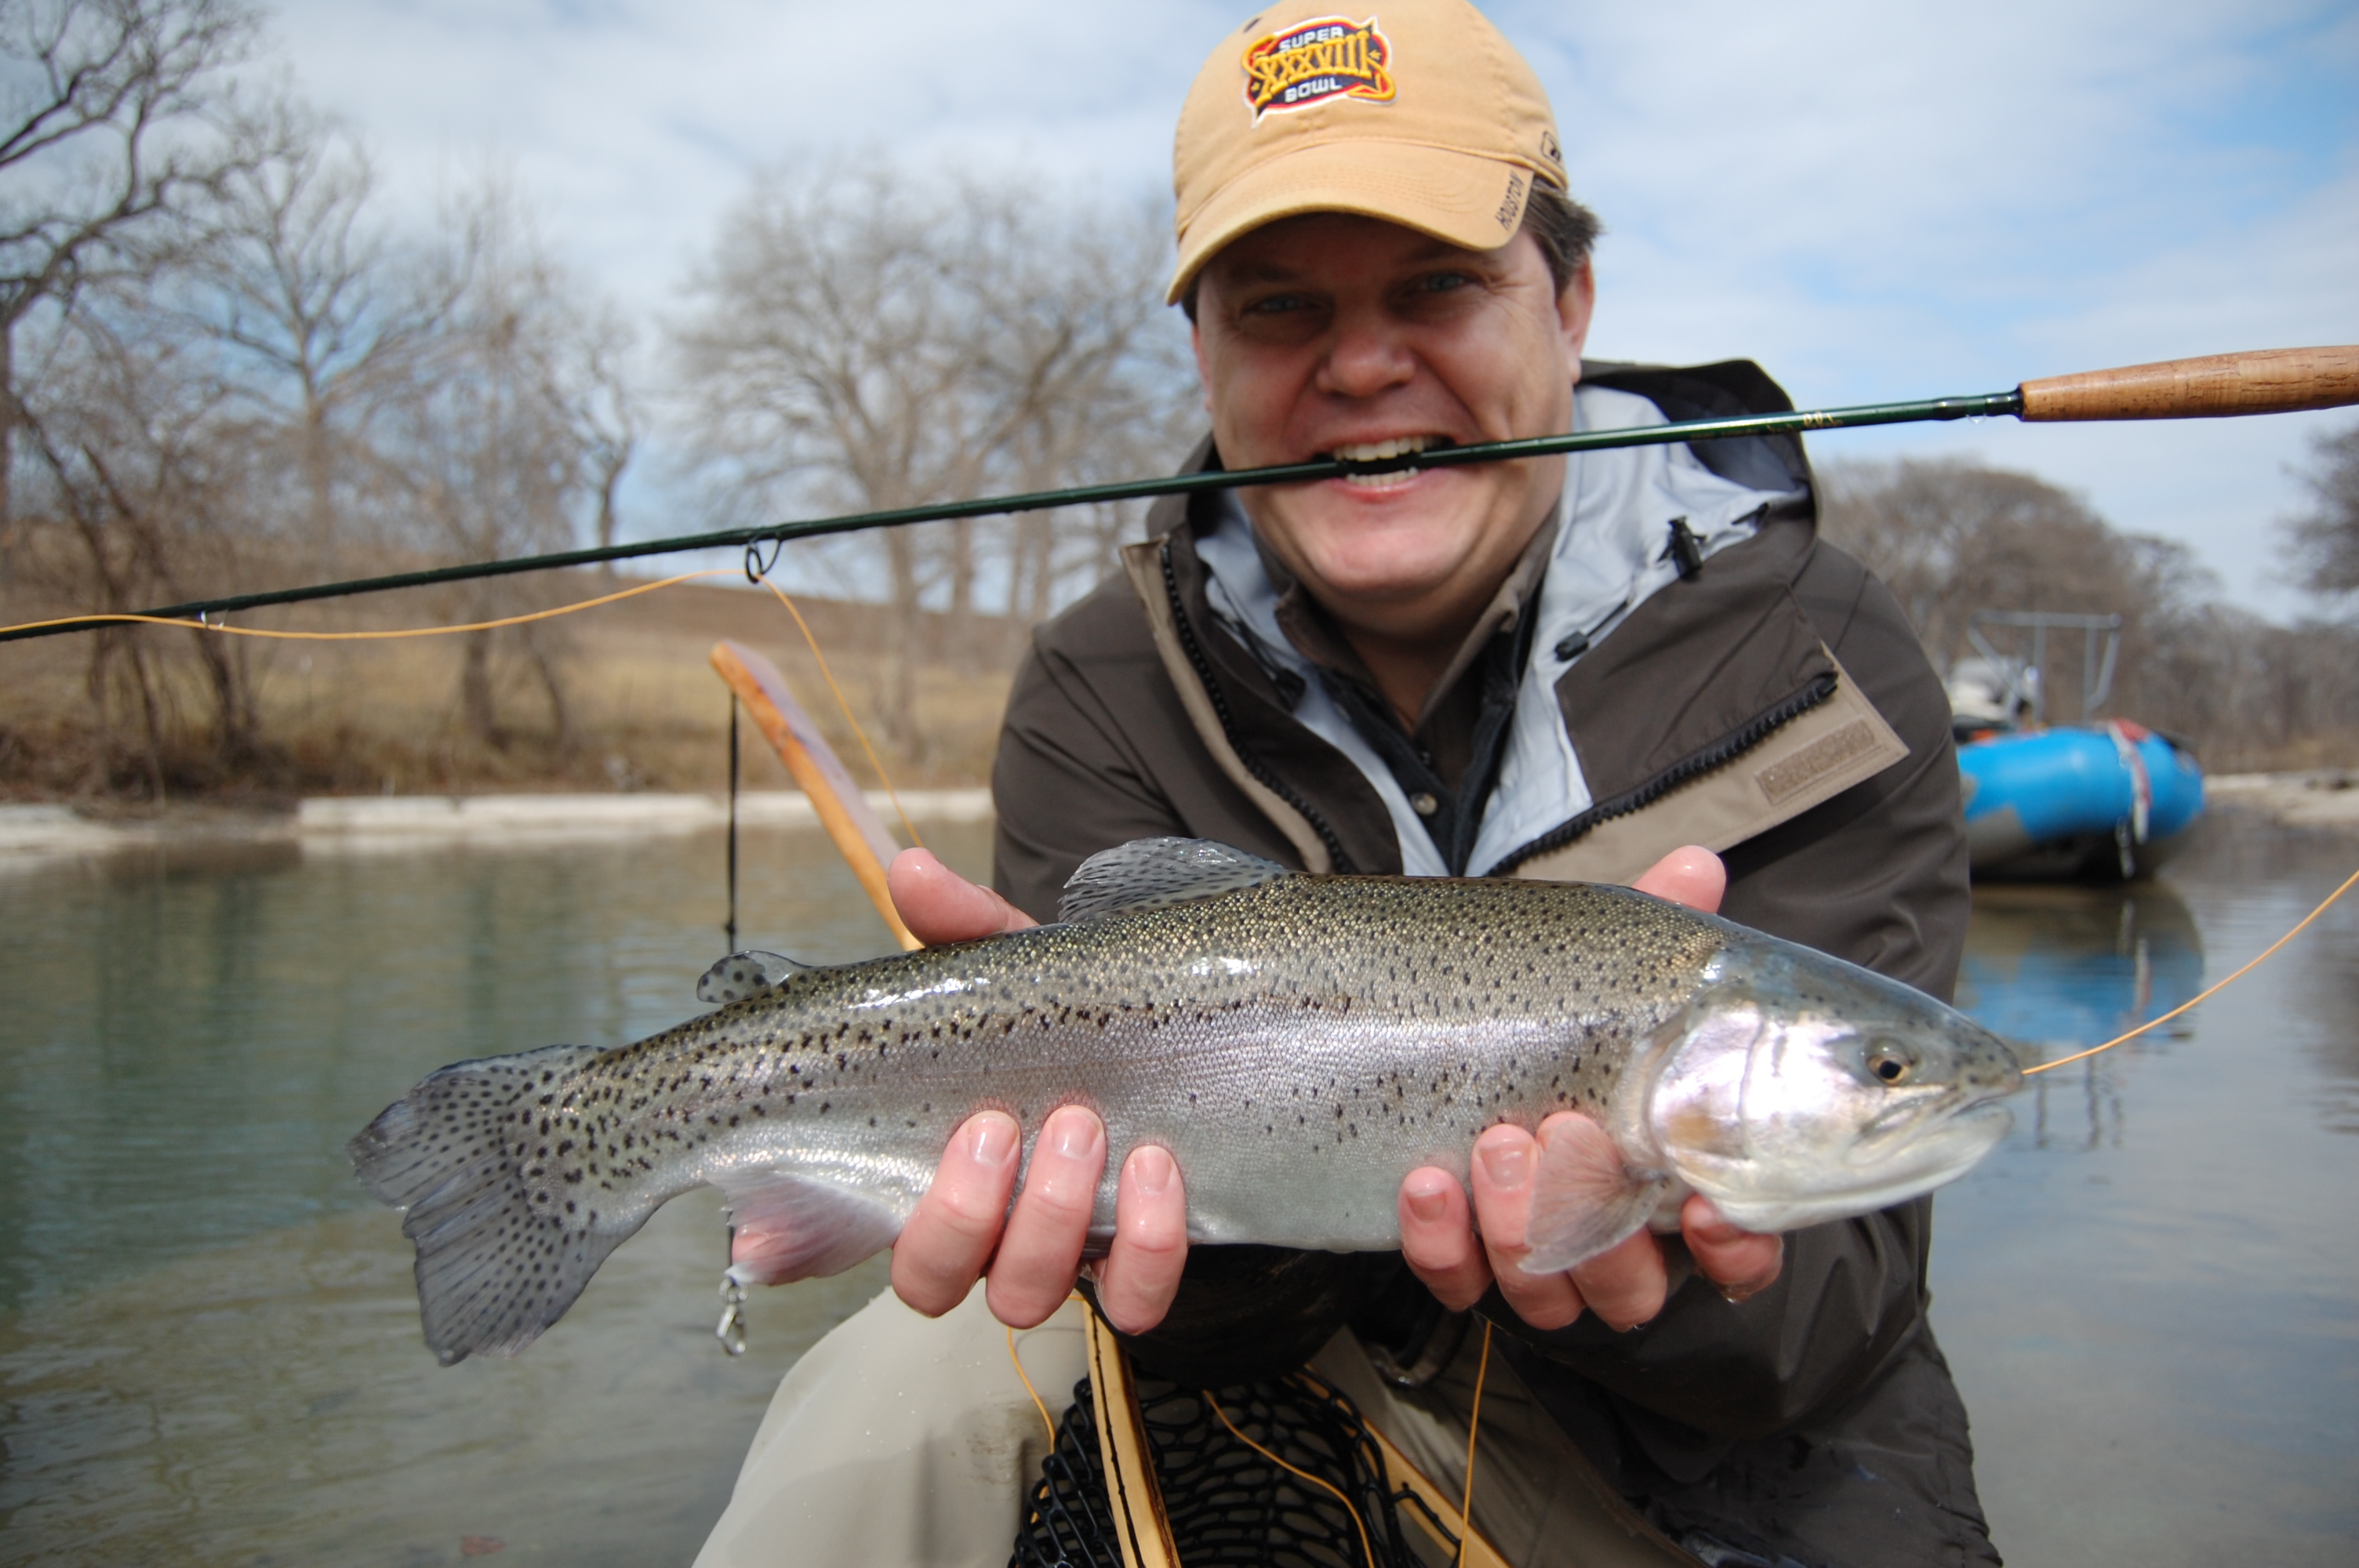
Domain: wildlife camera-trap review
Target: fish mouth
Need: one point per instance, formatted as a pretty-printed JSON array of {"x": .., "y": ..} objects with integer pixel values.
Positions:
[
  {"x": 1386, "y": 464},
  {"x": 1903, "y": 1145},
  {"x": 1913, "y": 1160}
]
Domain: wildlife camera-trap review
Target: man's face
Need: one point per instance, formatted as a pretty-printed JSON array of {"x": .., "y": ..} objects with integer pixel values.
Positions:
[{"x": 1331, "y": 335}]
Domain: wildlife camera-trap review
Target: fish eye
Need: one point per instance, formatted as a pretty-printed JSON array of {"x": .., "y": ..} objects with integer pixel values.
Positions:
[{"x": 1891, "y": 1061}]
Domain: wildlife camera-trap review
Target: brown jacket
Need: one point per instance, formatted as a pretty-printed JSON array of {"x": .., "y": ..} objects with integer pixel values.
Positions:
[{"x": 1774, "y": 706}]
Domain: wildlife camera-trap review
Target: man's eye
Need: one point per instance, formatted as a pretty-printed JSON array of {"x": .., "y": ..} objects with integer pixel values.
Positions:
[
  {"x": 1277, "y": 305},
  {"x": 1444, "y": 281}
]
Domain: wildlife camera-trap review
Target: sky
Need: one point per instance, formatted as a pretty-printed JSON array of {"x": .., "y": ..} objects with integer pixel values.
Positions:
[{"x": 1876, "y": 201}]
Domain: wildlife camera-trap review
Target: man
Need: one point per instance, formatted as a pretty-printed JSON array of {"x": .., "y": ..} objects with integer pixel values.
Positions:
[{"x": 1558, "y": 668}]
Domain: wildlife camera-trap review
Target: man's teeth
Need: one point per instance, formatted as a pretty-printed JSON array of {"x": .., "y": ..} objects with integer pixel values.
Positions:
[
  {"x": 1376, "y": 452},
  {"x": 1380, "y": 451}
]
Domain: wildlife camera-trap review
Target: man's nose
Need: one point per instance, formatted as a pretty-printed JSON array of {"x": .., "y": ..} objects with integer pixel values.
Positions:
[{"x": 1366, "y": 357}]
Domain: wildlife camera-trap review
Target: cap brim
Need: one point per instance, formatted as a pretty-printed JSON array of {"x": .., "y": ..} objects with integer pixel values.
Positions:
[{"x": 1461, "y": 198}]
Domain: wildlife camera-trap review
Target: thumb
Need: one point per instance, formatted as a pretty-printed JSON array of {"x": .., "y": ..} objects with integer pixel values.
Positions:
[
  {"x": 939, "y": 906},
  {"x": 1691, "y": 876}
]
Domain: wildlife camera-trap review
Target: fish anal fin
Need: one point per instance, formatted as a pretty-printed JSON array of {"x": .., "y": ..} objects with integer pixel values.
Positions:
[
  {"x": 1148, "y": 874},
  {"x": 1585, "y": 1196},
  {"x": 791, "y": 1227}
]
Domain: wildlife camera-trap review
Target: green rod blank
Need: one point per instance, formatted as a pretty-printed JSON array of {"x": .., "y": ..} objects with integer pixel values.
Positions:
[{"x": 1932, "y": 409}]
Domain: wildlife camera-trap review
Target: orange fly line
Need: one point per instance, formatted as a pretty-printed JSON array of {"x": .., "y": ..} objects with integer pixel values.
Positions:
[{"x": 202, "y": 624}]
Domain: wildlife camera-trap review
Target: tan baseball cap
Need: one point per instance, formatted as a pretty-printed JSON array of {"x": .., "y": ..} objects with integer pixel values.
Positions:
[{"x": 1417, "y": 113}]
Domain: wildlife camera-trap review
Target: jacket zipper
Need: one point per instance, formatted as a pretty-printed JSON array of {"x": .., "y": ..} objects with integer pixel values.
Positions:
[
  {"x": 1717, "y": 755},
  {"x": 1253, "y": 764}
]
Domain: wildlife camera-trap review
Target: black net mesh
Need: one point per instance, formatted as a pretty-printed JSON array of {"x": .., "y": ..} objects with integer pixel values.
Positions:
[{"x": 1227, "y": 1505}]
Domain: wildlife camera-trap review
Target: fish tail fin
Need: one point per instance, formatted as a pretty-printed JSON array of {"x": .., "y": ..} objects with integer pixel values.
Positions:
[
  {"x": 1585, "y": 1197},
  {"x": 500, "y": 1255}
]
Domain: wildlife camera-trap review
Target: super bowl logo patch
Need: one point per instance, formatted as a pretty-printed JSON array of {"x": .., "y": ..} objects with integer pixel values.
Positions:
[{"x": 1332, "y": 57}]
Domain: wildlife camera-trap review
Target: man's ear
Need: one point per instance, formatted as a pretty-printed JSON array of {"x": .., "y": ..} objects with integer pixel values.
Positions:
[{"x": 1576, "y": 302}]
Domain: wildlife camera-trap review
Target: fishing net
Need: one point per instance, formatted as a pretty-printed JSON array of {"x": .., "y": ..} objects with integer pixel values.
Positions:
[{"x": 1228, "y": 1506}]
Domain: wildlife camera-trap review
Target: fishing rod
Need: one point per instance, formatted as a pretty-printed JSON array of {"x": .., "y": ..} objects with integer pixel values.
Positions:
[{"x": 2262, "y": 381}]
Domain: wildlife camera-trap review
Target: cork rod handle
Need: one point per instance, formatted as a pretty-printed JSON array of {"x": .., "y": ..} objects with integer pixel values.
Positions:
[{"x": 2262, "y": 381}]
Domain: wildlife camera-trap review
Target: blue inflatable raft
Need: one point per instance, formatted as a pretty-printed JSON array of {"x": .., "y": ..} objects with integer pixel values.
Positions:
[{"x": 2107, "y": 802}]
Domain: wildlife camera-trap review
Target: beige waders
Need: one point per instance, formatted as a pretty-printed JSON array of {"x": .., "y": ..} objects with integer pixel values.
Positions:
[{"x": 900, "y": 1439}]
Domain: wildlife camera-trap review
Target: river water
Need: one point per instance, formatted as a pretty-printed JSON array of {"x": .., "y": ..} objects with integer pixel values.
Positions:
[{"x": 209, "y": 1349}]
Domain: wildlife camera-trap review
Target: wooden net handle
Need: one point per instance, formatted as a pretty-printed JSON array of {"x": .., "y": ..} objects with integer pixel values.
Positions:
[{"x": 2262, "y": 381}]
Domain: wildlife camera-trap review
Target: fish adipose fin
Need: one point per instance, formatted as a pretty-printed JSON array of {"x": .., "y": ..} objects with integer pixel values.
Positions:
[
  {"x": 788, "y": 1227},
  {"x": 1148, "y": 874},
  {"x": 501, "y": 1254},
  {"x": 1585, "y": 1197},
  {"x": 741, "y": 975}
]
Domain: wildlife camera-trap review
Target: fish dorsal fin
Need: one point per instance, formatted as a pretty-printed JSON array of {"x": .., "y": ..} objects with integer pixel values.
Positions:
[
  {"x": 741, "y": 975},
  {"x": 1148, "y": 874}
]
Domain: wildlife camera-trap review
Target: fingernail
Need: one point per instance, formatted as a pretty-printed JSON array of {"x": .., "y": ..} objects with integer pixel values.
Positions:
[
  {"x": 1150, "y": 1169},
  {"x": 1508, "y": 1162},
  {"x": 1073, "y": 1133},
  {"x": 1737, "y": 1295},
  {"x": 1427, "y": 1206},
  {"x": 991, "y": 1138}
]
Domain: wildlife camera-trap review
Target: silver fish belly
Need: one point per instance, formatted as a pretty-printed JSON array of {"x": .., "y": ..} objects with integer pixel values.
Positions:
[{"x": 1298, "y": 1043}]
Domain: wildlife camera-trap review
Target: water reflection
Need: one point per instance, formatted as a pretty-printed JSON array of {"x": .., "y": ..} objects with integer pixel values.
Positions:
[
  {"x": 2075, "y": 966},
  {"x": 2060, "y": 969}
]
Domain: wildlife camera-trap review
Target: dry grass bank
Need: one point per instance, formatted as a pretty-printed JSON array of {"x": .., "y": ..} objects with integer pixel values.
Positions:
[{"x": 636, "y": 704}]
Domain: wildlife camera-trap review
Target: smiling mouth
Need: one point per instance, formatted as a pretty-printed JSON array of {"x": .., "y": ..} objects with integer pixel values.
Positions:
[{"x": 1387, "y": 464}]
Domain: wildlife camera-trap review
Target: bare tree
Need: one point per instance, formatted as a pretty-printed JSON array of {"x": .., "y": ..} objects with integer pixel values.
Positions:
[
  {"x": 860, "y": 340},
  {"x": 607, "y": 415},
  {"x": 1952, "y": 537},
  {"x": 319, "y": 321},
  {"x": 2323, "y": 542},
  {"x": 104, "y": 108},
  {"x": 126, "y": 459},
  {"x": 1110, "y": 389},
  {"x": 217, "y": 368},
  {"x": 487, "y": 443}
]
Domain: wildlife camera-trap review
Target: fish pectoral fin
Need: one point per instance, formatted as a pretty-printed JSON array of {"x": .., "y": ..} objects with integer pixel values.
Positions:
[
  {"x": 1148, "y": 874},
  {"x": 785, "y": 1225},
  {"x": 741, "y": 975},
  {"x": 1585, "y": 1196}
]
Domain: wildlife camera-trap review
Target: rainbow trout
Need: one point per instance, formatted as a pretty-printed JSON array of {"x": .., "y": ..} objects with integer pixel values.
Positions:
[{"x": 1300, "y": 1043}]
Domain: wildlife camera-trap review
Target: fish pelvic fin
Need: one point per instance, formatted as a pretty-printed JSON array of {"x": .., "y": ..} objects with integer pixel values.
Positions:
[
  {"x": 785, "y": 1225},
  {"x": 500, "y": 1254},
  {"x": 1148, "y": 874},
  {"x": 1585, "y": 1196},
  {"x": 746, "y": 974}
]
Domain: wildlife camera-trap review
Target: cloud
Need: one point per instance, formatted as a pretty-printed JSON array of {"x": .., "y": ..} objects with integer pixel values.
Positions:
[{"x": 1876, "y": 201}]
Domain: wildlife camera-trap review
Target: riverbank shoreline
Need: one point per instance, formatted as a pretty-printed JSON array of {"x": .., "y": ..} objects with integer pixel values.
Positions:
[
  {"x": 2319, "y": 798},
  {"x": 35, "y": 833},
  {"x": 31, "y": 834}
]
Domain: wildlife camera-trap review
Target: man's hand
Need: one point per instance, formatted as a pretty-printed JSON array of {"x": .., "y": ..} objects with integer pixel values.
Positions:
[
  {"x": 1625, "y": 1286},
  {"x": 956, "y": 1232}
]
